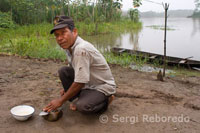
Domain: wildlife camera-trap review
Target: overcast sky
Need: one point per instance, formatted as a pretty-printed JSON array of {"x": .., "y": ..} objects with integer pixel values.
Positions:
[{"x": 148, "y": 6}]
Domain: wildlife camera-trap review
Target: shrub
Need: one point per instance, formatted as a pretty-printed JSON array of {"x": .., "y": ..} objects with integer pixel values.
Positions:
[{"x": 6, "y": 20}]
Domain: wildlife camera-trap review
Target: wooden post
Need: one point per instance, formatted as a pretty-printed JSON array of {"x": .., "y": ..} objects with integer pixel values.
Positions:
[{"x": 166, "y": 7}]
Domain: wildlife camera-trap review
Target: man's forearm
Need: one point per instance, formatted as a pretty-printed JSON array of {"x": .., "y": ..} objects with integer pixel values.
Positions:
[{"x": 72, "y": 91}]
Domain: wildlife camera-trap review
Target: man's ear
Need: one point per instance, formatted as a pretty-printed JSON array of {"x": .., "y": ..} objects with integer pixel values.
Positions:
[{"x": 75, "y": 31}]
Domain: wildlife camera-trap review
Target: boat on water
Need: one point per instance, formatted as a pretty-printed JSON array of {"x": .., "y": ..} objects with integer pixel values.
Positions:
[{"x": 152, "y": 57}]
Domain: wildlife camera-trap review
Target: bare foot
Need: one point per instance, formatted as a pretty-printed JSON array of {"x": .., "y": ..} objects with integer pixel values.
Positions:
[
  {"x": 111, "y": 98},
  {"x": 72, "y": 107}
]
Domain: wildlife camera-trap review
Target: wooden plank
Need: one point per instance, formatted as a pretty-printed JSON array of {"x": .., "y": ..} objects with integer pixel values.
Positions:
[
  {"x": 153, "y": 57},
  {"x": 182, "y": 61},
  {"x": 122, "y": 50}
]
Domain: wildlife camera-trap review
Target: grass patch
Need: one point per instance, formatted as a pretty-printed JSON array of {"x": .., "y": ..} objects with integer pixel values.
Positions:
[
  {"x": 180, "y": 71},
  {"x": 160, "y": 27},
  {"x": 124, "y": 59},
  {"x": 33, "y": 47},
  {"x": 83, "y": 29}
]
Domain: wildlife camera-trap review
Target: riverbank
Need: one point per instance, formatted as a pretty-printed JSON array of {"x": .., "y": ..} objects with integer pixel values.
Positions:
[
  {"x": 36, "y": 41},
  {"x": 140, "y": 100}
]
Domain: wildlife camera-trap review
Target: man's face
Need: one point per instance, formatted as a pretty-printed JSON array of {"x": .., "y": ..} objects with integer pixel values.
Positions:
[{"x": 65, "y": 38}]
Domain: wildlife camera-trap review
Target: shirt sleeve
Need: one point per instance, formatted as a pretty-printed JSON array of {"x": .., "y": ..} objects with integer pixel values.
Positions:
[{"x": 81, "y": 66}]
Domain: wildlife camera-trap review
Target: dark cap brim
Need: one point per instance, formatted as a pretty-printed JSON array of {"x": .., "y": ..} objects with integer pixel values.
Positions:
[{"x": 60, "y": 26}]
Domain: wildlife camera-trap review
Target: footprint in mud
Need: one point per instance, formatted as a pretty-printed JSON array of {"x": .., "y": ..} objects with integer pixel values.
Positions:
[
  {"x": 169, "y": 98},
  {"x": 34, "y": 102},
  {"x": 26, "y": 101},
  {"x": 1, "y": 92},
  {"x": 193, "y": 104},
  {"x": 128, "y": 95}
]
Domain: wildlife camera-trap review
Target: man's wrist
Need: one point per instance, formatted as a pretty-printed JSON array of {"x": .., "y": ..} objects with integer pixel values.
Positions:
[{"x": 61, "y": 99}]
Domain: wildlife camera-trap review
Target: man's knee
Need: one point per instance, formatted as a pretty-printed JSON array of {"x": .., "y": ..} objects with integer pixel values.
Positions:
[
  {"x": 89, "y": 108},
  {"x": 64, "y": 71},
  {"x": 84, "y": 107}
]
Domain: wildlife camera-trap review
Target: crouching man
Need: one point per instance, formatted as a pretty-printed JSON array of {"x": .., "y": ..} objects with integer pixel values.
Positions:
[{"x": 88, "y": 78}]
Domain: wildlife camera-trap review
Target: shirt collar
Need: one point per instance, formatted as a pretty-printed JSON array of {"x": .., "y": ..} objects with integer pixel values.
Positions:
[{"x": 78, "y": 40}]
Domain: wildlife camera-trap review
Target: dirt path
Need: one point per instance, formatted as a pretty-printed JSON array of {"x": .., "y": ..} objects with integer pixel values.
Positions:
[{"x": 142, "y": 103}]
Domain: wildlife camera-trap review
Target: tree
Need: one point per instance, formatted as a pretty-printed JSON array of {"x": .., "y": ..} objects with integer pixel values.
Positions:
[
  {"x": 197, "y": 9},
  {"x": 134, "y": 15},
  {"x": 197, "y": 4},
  {"x": 137, "y": 3},
  {"x": 37, "y": 11}
]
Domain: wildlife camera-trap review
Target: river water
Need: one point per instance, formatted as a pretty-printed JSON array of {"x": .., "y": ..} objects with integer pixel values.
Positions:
[{"x": 183, "y": 38}]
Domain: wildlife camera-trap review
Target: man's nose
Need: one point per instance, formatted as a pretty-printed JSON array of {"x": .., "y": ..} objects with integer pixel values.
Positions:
[{"x": 59, "y": 38}]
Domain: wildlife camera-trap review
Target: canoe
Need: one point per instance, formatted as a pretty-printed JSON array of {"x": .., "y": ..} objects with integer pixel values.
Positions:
[{"x": 152, "y": 57}]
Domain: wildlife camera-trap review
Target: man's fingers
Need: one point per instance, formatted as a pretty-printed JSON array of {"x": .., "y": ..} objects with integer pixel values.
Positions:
[
  {"x": 49, "y": 106},
  {"x": 48, "y": 109},
  {"x": 53, "y": 105}
]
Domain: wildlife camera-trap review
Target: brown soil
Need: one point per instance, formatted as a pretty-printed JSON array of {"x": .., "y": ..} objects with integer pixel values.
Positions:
[{"x": 35, "y": 82}]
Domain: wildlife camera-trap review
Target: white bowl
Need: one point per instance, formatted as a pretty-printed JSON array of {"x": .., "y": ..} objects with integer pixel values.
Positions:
[{"x": 22, "y": 112}]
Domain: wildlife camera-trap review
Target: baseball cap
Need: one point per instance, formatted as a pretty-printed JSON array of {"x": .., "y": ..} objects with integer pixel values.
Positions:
[{"x": 61, "y": 22}]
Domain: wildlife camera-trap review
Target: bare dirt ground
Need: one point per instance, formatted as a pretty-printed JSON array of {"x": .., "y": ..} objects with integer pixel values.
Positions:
[{"x": 142, "y": 103}]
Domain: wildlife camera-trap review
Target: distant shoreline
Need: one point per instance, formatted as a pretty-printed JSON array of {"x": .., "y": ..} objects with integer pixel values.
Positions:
[{"x": 171, "y": 13}]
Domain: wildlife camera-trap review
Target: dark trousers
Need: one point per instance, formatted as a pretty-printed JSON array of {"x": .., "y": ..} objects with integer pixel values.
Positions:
[{"x": 89, "y": 101}]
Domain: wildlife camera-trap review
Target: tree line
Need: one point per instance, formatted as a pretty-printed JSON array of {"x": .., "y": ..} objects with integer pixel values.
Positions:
[
  {"x": 196, "y": 12},
  {"x": 38, "y": 11}
]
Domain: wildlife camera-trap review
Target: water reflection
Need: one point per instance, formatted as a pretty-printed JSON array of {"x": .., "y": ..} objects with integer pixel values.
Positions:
[
  {"x": 196, "y": 26},
  {"x": 103, "y": 42},
  {"x": 134, "y": 38},
  {"x": 128, "y": 39}
]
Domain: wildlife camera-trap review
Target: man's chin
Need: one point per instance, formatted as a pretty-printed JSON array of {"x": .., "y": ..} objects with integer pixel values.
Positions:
[{"x": 64, "y": 48}]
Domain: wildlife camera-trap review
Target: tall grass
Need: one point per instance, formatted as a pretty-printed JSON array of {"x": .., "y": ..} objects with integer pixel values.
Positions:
[
  {"x": 83, "y": 29},
  {"x": 33, "y": 47}
]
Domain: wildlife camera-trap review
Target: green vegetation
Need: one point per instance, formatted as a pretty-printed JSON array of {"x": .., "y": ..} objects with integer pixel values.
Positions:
[
  {"x": 36, "y": 41},
  {"x": 185, "y": 72},
  {"x": 107, "y": 27},
  {"x": 134, "y": 15},
  {"x": 38, "y": 11},
  {"x": 33, "y": 47},
  {"x": 159, "y": 27},
  {"x": 124, "y": 59},
  {"x": 6, "y": 20},
  {"x": 25, "y": 24}
]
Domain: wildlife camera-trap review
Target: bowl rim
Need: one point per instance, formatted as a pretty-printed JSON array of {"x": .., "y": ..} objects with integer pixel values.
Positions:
[{"x": 11, "y": 111}]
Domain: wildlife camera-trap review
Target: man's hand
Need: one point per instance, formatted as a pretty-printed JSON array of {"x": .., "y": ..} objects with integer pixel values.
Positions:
[
  {"x": 72, "y": 91},
  {"x": 54, "y": 104}
]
